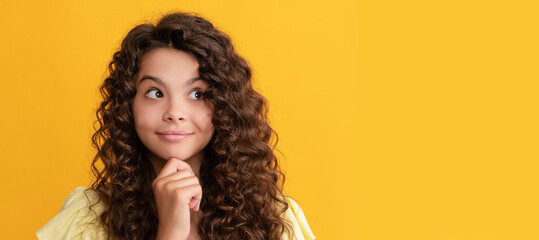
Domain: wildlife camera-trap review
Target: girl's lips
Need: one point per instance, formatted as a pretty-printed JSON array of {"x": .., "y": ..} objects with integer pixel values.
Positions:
[
  {"x": 173, "y": 137},
  {"x": 174, "y": 132}
]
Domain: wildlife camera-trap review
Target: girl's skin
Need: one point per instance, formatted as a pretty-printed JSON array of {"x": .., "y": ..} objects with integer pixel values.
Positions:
[{"x": 169, "y": 98}]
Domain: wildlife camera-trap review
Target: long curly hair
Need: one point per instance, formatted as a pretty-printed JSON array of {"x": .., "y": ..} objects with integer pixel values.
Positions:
[{"x": 240, "y": 175}]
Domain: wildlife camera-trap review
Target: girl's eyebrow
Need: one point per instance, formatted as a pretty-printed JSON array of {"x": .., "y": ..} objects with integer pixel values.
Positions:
[{"x": 160, "y": 82}]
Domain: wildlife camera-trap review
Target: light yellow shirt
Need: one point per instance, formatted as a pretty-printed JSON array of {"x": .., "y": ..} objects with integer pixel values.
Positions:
[{"x": 75, "y": 221}]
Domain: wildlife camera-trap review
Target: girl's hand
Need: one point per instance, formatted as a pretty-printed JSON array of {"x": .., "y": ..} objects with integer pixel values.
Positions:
[{"x": 176, "y": 190}]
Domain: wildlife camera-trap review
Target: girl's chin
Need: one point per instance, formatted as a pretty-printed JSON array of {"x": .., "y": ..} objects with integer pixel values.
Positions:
[
  {"x": 167, "y": 156},
  {"x": 179, "y": 158}
]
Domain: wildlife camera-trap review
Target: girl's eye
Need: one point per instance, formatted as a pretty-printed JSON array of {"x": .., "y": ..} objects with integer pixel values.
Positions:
[
  {"x": 154, "y": 93},
  {"x": 196, "y": 95}
]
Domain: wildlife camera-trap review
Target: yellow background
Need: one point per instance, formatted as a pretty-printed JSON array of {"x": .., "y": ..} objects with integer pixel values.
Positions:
[{"x": 398, "y": 119}]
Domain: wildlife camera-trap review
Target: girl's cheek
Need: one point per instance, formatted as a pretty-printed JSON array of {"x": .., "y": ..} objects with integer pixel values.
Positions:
[
  {"x": 144, "y": 114},
  {"x": 204, "y": 117}
]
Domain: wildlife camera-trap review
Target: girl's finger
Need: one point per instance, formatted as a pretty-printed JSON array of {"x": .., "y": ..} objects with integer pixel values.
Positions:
[
  {"x": 195, "y": 192},
  {"x": 173, "y": 165},
  {"x": 181, "y": 183},
  {"x": 194, "y": 204},
  {"x": 176, "y": 176}
]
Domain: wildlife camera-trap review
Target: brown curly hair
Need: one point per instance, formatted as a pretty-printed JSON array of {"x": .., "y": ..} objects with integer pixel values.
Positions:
[{"x": 240, "y": 176}]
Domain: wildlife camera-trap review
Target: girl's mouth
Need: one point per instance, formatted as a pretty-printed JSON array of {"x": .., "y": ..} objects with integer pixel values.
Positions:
[{"x": 173, "y": 137}]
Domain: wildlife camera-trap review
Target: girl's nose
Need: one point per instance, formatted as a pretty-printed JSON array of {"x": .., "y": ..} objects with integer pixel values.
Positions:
[
  {"x": 173, "y": 118},
  {"x": 174, "y": 113}
]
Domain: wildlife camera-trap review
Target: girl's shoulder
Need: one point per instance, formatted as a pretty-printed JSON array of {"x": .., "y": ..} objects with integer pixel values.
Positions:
[
  {"x": 76, "y": 220},
  {"x": 295, "y": 216}
]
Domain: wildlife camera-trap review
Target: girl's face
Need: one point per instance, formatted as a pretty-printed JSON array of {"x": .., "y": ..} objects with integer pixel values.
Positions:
[{"x": 172, "y": 119}]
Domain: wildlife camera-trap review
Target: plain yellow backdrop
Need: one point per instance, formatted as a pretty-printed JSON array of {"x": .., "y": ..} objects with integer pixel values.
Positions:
[{"x": 397, "y": 119}]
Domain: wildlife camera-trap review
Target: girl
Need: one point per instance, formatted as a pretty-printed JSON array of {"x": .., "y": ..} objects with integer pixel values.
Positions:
[{"x": 183, "y": 146}]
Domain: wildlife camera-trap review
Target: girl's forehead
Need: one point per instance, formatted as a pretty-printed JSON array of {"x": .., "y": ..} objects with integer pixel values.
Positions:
[
  {"x": 162, "y": 56},
  {"x": 168, "y": 65}
]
